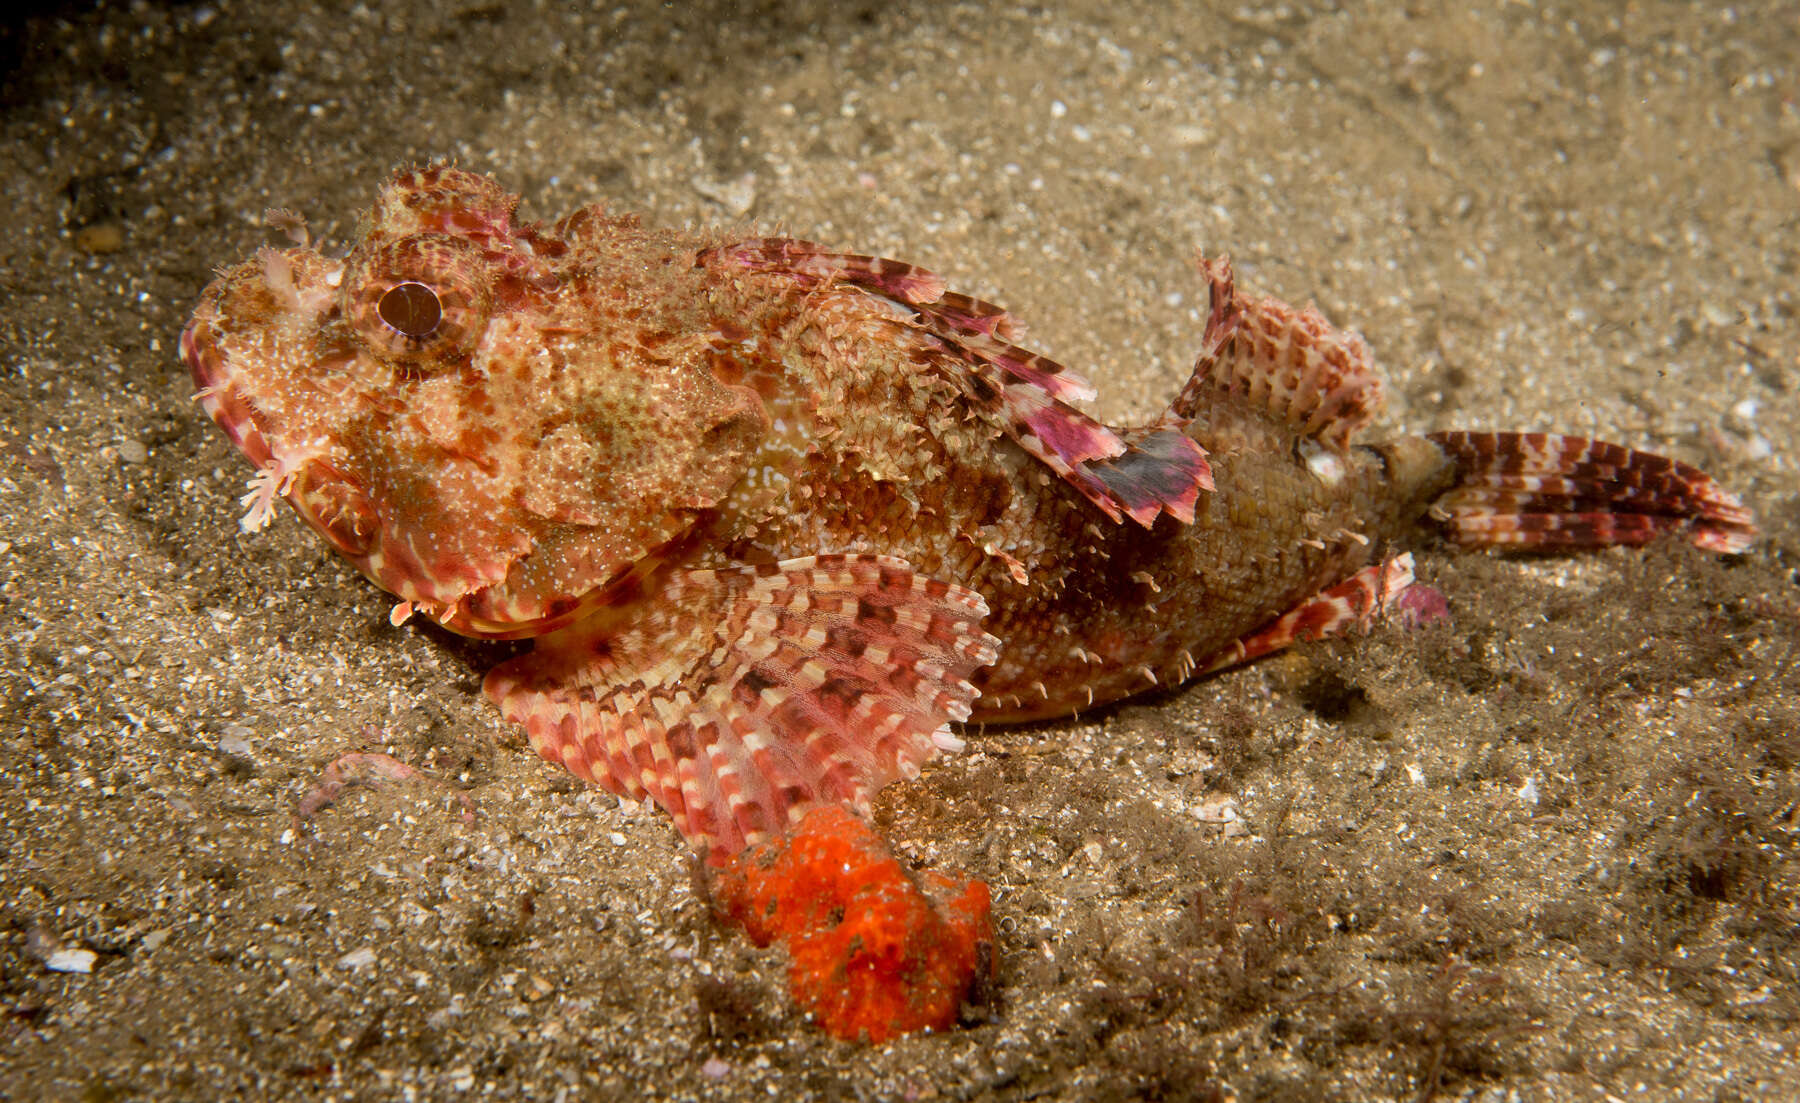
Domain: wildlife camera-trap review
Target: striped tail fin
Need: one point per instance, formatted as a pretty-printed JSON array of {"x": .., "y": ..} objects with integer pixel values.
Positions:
[{"x": 1543, "y": 490}]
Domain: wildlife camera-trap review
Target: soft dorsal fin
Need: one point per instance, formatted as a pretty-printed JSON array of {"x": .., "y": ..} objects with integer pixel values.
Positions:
[
  {"x": 1293, "y": 364},
  {"x": 1028, "y": 394}
]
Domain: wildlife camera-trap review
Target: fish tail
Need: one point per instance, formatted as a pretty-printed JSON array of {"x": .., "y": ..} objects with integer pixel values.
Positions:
[{"x": 1547, "y": 491}]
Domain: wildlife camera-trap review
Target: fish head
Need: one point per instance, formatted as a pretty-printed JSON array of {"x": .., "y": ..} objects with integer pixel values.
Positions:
[{"x": 500, "y": 424}]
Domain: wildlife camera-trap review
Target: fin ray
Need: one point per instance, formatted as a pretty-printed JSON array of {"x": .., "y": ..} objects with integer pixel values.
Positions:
[
  {"x": 1333, "y": 611},
  {"x": 739, "y": 698},
  {"x": 1027, "y": 394},
  {"x": 1294, "y": 365},
  {"x": 1547, "y": 490}
]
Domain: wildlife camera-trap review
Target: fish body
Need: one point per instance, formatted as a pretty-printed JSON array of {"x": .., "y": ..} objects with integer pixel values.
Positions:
[{"x": 776, "y": 516}]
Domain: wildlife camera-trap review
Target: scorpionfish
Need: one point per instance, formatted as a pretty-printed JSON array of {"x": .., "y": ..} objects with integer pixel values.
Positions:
[{"x": 775, "y": 517}]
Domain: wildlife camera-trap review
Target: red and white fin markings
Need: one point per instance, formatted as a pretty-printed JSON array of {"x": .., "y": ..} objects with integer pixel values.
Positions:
[
  {"x": 1353, "y": 603},
  {"x": 737, "y": 699},
  {"x": 1549, "y": 491},
  {"x": 1318, "y": 380}
]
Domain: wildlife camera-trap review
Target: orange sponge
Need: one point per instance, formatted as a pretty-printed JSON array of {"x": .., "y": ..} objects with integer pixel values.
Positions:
[{"x": 874, "y": 952}]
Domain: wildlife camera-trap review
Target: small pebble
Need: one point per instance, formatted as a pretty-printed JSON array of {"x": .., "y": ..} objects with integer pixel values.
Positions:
[
  {"x": 1218, "y": 809},
  {"x": 736, "y": 196},
  {"x": 100, "y": 237},
  {"x": 236, "y": 741},
  {"x": 71, "y": 961}
]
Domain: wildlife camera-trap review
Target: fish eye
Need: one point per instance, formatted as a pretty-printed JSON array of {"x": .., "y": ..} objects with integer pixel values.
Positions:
[
  {"x": 421, "y": 301},
  {"x": 411, "y": 308}
]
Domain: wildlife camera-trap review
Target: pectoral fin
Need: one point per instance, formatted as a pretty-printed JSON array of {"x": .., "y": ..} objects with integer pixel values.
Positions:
[{"x": 738, "y": 699}]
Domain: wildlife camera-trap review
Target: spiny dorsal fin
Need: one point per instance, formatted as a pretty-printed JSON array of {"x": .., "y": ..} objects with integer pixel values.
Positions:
[
  {"x": 1316, "y": 379},
  {"x": 1028, "y": 394},
  {"x": 738, "y": 699}
]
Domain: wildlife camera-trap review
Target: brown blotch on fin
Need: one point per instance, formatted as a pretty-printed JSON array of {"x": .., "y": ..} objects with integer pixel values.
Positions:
[
  {"x": 1163, "y": 472},
  {"x": 1316, "y": 379},
  {"x": 1552, "y": 492},
  {"x": 737, "y": 699}
]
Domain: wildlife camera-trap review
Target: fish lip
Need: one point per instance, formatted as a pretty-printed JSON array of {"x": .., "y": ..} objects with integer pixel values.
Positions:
[
  {"x": 217, "y": 392},
  {"x": 190, "y": 354},
  {"x": 201, "y": 355}
]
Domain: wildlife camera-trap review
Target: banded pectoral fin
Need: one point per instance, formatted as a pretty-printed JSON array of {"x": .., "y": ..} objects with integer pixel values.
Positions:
[{"x": 738, "y": 699}]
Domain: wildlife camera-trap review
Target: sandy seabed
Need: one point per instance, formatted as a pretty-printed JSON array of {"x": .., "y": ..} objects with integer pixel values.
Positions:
[{"x": 1543, "y": 851}]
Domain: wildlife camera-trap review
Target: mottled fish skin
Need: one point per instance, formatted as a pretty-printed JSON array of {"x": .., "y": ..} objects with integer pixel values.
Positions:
[{"x": 777, "y": 515}]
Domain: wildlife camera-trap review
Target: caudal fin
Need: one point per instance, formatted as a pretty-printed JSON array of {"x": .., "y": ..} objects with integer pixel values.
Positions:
[{"x": 1543, "y": 490}]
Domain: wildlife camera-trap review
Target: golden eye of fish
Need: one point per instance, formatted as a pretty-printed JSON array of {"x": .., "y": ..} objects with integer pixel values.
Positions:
[{"x": 422, "y": 300}]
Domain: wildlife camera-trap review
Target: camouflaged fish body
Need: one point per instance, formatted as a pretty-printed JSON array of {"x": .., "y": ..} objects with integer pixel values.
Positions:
[{"x": 776, "y": 516}]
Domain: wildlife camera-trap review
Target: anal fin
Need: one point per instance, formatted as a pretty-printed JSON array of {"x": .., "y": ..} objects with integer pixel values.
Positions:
[
  {"x": 738, "y": 699},
  {"x": 1353, "y": 603}
]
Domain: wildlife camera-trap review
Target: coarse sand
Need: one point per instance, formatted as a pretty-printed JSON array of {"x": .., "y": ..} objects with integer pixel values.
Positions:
[{"x": 1543, "y": 851}]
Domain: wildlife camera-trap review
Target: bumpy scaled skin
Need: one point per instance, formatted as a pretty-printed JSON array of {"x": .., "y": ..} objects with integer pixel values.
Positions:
[{"x": 776, "y": 516}]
